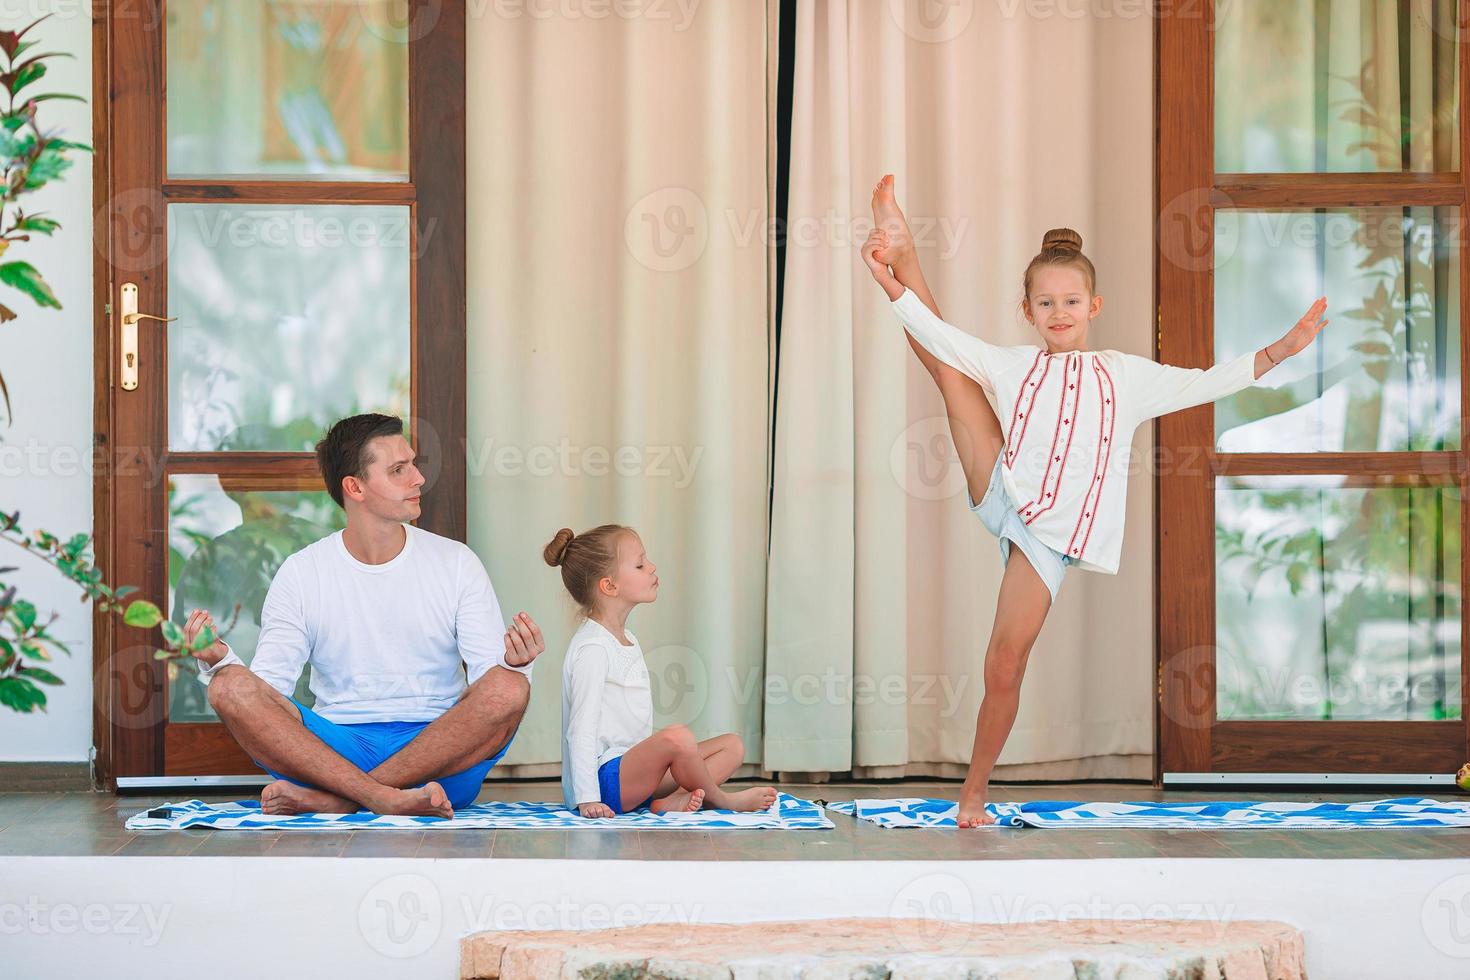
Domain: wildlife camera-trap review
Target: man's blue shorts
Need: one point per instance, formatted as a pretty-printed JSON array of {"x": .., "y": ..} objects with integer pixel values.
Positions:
[
  {"x": 609, "y": 784},
  {"x": 370, "y": 744}
]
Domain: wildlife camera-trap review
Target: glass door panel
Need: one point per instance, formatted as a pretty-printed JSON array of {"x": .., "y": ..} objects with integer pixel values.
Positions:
[
  {"x": 1384, "y": 376},
  {"x": 289, "y": 319},
  {"x": 226, "y": 540},
  {"x": 1307, "y": 86},
  {"x": 287, "y": 89}
]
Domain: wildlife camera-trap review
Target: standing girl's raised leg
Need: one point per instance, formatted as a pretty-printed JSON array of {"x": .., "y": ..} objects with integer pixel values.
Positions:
[{"x": 1020, "y": 611}]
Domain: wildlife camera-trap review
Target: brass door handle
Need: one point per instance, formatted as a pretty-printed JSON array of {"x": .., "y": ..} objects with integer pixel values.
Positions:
[{"x": 129, "y": 319}]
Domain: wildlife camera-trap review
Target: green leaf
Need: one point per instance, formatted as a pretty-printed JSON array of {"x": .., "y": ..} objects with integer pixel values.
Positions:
[
  {"x": 25, "y": 612},
  {"x": 173, "y": 633},
  {"x": 32, "y": 71},
  {"x": 123, "y": 591},
  {"x": 21, "y": 695},
  {"x": 54, "y": 95},
  {"x": 38, "y": 224},
  {"x": 40, "y": 674},
  {"x": 142, "y": 614},
  {"x": 34, "y": 650},
  {"x": 23, "y": 276}
]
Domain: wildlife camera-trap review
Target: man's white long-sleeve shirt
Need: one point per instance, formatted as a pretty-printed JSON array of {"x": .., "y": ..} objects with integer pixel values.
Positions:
[
  {"x": 398, "y": 641},
  {"x": 606, "y": 707},
  {"x": 1068, "y": 421}
]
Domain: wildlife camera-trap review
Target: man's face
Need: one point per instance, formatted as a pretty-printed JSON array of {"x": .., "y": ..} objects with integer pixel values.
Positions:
[{"x": 390, "y": 485}]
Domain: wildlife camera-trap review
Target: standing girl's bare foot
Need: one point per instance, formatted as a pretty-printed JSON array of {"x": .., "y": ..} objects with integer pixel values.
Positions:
[
  {"x": 679, "y": 802},
  {"x": 747, "y": 801},
  {"x": 972, "y": 809},
  {"x": 888, "y": 217},
  {"x": 281, "y": 797}
]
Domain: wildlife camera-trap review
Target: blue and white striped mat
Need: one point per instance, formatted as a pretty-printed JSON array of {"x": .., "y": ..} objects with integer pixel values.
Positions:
[
  {"x": 1225, "y": 815},
  {"x": 787, "y": 813}
]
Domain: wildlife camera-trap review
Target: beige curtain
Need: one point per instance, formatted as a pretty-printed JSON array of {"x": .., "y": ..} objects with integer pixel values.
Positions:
[
  {"x": 619, "y": 351},
  {"x": 882, "y": 585}
]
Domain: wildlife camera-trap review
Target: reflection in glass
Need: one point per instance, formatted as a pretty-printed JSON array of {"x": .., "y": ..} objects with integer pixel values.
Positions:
[
  {"x": 224, "y": 546},
  {"x": 1322, "y": 86},
  {"x": 1384, "y": 374},
  {"x": 289, "y": 319},
  {"x": 293, "y": 89},
  {"x": 1336, "y": 603}
]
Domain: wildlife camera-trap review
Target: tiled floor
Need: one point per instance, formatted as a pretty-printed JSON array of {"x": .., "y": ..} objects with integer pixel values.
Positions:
[{"x": 92, "y": 824}]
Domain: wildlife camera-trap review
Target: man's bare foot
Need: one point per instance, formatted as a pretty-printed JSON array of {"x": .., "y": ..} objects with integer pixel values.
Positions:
[
  {"x": 750, "y": 800},
  {"x": 887, "y": 216},
  {"x": 281, "y": 797},
  {"x": 428, "y": 800},
  {"x": 682, "y": 801},
  {"x": 972, "y": 809}
]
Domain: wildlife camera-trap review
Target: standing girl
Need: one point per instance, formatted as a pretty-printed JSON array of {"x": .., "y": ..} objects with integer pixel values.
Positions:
[
  {"x": 612, "y": 760},
  {"x": 1042, "y": 462}
]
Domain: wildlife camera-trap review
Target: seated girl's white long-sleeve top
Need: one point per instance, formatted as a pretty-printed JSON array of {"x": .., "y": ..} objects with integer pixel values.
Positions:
[
  {"x": 1068, "y": 421},
  {"x": 606, "y": 707}
]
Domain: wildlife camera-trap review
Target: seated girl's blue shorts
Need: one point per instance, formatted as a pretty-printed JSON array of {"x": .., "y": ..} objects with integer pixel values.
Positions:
[
  {"x": 370, "y": 744},
  {"x": 997, "y": 511},
  {"x": 610, "y": 786}
]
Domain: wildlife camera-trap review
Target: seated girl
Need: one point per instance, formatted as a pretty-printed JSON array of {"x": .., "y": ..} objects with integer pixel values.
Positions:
[{"x": 612, "y": 760}]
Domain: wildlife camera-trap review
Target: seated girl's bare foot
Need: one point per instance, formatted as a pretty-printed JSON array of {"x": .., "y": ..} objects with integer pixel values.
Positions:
[
  {"x": 682, "y": 801},
  {"x": 750, "y": 800},
  {"x": 888, "y": 217},
  {"x": 972, "y": 811},
  {"x": 428, "y": 800},
  {"x": 281, "y": 797}
]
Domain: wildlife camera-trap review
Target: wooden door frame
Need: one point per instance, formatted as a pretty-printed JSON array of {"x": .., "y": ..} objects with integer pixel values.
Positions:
[
  {"x": 435, "y": 192},
  {"x": 1187, "y": 191}
]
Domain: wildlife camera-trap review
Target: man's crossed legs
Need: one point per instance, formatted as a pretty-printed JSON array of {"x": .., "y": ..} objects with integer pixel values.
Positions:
[{"x": 292, "y": 744}]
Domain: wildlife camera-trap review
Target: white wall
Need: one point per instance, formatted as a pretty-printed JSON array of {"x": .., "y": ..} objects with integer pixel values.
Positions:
[{"x": 46, "y": 357}]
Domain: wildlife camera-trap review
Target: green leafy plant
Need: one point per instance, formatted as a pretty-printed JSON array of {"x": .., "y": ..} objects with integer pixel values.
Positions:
[{"x": 31, "y": 157}]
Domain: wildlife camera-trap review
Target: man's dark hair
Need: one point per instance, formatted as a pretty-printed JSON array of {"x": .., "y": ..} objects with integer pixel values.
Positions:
[{"x": 343, "y": 452}]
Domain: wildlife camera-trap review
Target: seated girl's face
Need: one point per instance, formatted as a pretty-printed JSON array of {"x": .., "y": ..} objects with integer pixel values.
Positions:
[
  {"x": 1060, "y": 304},
  {"x": 635, "y": 576}
]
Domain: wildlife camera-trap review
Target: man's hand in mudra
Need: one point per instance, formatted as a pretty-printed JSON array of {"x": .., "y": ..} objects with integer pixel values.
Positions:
[{"x": 523, "y": 641}]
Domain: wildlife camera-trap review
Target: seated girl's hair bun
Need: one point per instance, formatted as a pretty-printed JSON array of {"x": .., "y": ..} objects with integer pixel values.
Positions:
[
  {"x": 556, "y": 552},
  {"x": 1061, "y": 240}
]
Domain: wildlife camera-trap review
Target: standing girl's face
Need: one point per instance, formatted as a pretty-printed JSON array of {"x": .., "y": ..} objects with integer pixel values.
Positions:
[
  {"x": 634, "y": 578},
  {"x": 1060, "y": 306}
]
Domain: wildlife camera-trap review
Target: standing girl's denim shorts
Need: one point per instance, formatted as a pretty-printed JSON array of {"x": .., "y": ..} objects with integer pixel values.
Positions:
[{"x": 997, "y": 511}]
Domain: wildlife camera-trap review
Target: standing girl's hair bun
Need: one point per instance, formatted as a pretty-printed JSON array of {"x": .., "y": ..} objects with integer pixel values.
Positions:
[
  {"x": 1061, "y": 240},
  {"x": 556, "y": 551}
]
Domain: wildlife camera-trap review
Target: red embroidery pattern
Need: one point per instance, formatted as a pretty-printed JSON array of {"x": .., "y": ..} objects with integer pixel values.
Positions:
[
  {"x": 1012, "y": 446},
  {"x": 1107, "y": 405},
  {"x": 1066, "y": 419}
]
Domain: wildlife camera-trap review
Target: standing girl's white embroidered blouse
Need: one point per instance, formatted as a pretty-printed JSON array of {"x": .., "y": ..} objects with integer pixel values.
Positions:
[{"x": 1068, "y": 421}]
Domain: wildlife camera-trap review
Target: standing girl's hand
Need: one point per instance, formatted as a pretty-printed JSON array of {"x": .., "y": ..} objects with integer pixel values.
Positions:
[
  {"x": 595, "y": 810},
  {"x": 1299, "y": 337},
  {"x": 878, "y": 241}
]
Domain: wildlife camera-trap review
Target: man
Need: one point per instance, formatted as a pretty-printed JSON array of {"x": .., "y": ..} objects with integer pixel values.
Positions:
[{"x": 419, "y": 686}]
